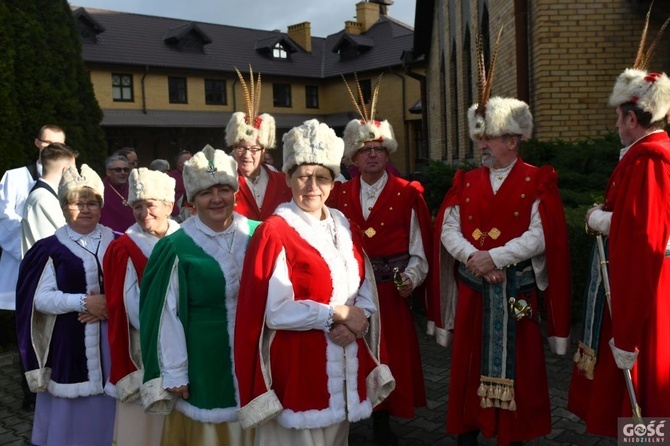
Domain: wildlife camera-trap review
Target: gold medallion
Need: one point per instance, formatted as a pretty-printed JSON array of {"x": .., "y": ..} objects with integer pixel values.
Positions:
[{"x": 370, "y": 232}]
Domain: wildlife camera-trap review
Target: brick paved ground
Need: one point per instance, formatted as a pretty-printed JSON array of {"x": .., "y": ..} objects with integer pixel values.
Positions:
[{"x": 426, "y": 429}]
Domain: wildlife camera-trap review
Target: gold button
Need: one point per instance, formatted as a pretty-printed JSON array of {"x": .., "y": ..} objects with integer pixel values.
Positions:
[
  {"x": 523, "y": 195},
  {"x": 391, "y": 208},
  {"x": 381, "y": 224},
  {"x": 398, "y": 193},
  {"x": 613, "y": 183},
  {"x": 516, "y": 214},
  {"x": 345, "y": 205},
  {"x": 467, "y": 200},
  {"x": 470, "y": 217},
  {"x": 527, "y": 179},
  {"x": 467, "y": 184}
]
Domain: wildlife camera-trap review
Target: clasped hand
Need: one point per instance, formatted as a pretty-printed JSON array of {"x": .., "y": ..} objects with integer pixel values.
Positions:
[{"x": 481, "y": 265}]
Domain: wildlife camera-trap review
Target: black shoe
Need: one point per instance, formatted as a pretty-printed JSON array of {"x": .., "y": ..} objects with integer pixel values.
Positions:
[
  {"x": 467, "y": 439},
  {"x": 381, "y": 425},
  {"x": 28, "y": 404}
]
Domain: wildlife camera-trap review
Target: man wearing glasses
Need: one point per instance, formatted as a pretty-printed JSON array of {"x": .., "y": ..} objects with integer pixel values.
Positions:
[
  {"x": 261, "y": 189},
  {"x": 116, "y": 214},
  {"x": 14, "y": 189},
  {"x": 396, "y": 225}
]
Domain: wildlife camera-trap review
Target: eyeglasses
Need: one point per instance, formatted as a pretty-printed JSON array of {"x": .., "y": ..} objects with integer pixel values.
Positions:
[
  {"x": 91, "y": 205},
  {"x": 252, "y": 150},
  {"x": 120, "y": 169},
  {"x": 368, "y": 150}
]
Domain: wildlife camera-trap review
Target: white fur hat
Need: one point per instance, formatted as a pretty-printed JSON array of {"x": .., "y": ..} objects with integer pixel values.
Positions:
[
  {"x": 145, "y": 184},
  {"x": 312, "y": 143},
  {"x": 358, "y": 132},
  {"x": 502, "y": 116},
  {"x": 74, "y": 181},
  {"x": 207, "y": 168},
  {"x": 650, "y": 91},
  {"x": 240, "y": 129}
]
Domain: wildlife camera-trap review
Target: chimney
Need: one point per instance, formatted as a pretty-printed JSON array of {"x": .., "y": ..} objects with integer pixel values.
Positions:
[
  {"x": 302, "y": 35},
  {"x": 351, "y": 27},
  {"x": 367, "y": 14}
]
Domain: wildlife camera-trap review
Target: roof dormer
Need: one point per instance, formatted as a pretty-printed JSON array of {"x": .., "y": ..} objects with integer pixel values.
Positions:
[
  {"x": 278, "y": 46},
  {"x": 188, "y": 37},
  {"x": 88, "y": 27},
  {"x": 350, "y": 46}
]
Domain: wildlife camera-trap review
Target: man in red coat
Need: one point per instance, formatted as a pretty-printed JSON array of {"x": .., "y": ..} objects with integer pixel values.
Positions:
[
  {"x": 396, "y": 226},
  {"x": 250, "y": 134},
  {"x": 635, "y": 218},
  {"x": 503, "y": 238}
]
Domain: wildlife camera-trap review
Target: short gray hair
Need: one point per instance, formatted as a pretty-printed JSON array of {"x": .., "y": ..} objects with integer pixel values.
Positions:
[
  {"x": 113, "y": 158},
  {"x": 160, "y": 164}
]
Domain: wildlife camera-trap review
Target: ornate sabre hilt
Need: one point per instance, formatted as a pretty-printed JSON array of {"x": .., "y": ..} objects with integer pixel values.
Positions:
[
  {"x": 398, "y": 279},
  {"x": 520, "y": 308}
]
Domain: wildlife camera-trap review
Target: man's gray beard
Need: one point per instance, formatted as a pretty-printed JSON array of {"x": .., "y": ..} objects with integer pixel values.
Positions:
[{"x": 488, "y": 161}]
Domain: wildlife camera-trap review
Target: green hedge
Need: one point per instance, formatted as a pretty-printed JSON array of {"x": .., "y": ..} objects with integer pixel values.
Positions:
[{"x": 583, "y": 169}]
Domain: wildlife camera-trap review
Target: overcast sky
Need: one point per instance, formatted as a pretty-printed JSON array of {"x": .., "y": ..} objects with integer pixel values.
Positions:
[{"x": 326, "y": 16}]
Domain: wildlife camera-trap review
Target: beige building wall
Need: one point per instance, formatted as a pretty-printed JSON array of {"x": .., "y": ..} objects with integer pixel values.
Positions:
[{"x": 576, "y": 49}]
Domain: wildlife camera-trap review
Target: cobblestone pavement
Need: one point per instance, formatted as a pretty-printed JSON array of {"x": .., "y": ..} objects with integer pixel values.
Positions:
[{"x": 427, "y": 428}]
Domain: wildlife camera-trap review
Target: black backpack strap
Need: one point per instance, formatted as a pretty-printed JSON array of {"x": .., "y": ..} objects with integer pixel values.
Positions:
[{"x": 32, "y": 168}]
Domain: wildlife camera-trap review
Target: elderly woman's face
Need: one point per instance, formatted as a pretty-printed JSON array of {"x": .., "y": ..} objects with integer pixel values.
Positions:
[
  {"x": 311, "y": 185},
  {"x": 82, "y": 212},
  {"x": 248, "y": 156},
  {"x": 152, "y": 216},
  {"x": 215, "y": 205}
]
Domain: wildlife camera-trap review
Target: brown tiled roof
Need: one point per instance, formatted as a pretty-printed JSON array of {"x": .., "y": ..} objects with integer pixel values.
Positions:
[{"x": 138, "y": 40}]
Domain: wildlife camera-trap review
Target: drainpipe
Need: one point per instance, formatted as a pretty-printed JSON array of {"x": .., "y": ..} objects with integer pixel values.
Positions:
[
  {"x": 144, "y": 95},
  {"x": 522, "y": 64}
]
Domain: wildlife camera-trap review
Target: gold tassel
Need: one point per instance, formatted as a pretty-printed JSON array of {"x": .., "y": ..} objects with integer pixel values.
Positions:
[
  {"x": 504, "y": 405},
  {"x": 481, "y": 391},
  {"x": 489, "y": 403},
  {"x": 482, "y": 403},
  {"x": 512, "y": 406},
  {"x": 577, "y": 357}
]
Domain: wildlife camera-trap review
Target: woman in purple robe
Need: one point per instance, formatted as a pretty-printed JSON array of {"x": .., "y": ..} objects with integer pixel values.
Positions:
[{"x": 61, "y": 321}]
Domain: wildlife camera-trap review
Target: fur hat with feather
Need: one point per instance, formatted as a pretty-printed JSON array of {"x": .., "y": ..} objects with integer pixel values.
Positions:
[
  {"x": 649, "y": 91},
  {"x": 496, "y": 116},
  {"x": 360, "y": 131},
  {"x": 250, "y": 125}
]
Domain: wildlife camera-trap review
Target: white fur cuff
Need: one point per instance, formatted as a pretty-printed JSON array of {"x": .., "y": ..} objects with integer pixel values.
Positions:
[
  {"x": 559, "y": 345},
  {"x": 624, "y": 359},
  {"x": 259, "y": 410},
  {"x": 379, "y": 384},
  {"x": 38, "y": 379},
  {"x": 443, "y": 337},
  {"x": 128, "y": 387},
  {"x": 155, "y": 399}
]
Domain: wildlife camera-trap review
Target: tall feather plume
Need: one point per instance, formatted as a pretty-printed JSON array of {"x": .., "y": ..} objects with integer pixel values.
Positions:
[
  {"x": 481, "y": 75},
  {"x": 257, "y": 104},
  {"x": 639, "y": 57},
  {"x": 252, "y": 90},
  {"x": 375, "y": 96},
  {"x": 353, "y": 98},
  {"x": 245, "y": 91},
  {"x": 366, "y": 118},
  {"x": 489, "y": 80},
  {"x": 652, "y": 47},
  {"x": 252, "y": 93}
]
